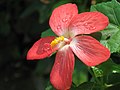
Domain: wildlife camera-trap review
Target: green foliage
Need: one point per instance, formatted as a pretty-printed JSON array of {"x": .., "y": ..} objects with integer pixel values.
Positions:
[
  {"x": 49, "y": 87},
  {"x": 113, "y": 80},
  {"x": 97, "y": 71},
  {"x": 111, "y": 35},
  {"x": 109, "y": 31},
  {"x": 109, "y": 67},
  {"x": 80, "y": 74},
  {"x": 114, "y": 42},
  {"x": 89, "y": 86},
  {"x": 48, "y": 32},
  {"x": 60, "y": 3}
]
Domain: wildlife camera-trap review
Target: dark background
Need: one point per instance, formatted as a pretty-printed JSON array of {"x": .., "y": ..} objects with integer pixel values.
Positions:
[{"x": 21, "y": 24}]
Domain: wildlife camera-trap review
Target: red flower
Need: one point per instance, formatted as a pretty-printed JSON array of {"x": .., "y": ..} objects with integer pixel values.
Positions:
[{"x": 70, "y": 27}]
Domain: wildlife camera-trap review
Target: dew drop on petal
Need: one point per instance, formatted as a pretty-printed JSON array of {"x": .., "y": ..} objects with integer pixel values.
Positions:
[
  {"x": 58, "y": 63},
  {"x": 47, "y": 48},
  {"x": 85, "y": 24},
  {"x": 58, "y": 27},
  {"x": 92, "y": 28},
  {"x": 62, "y": 55},
  {"x": 65, "y": 20}
]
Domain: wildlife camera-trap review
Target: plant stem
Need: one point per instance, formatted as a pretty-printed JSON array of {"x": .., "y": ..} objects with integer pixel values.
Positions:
[{"x": 93, "y": 75}]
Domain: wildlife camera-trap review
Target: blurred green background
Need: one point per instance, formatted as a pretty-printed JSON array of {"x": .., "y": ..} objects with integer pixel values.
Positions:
[{"x": 21, "y": 24}]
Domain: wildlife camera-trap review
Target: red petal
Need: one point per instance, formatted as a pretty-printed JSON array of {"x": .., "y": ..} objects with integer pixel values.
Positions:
[
  {"x": 61, "y": 18},
  {"x": 61, "y": 74},
  {"x": 41, "y": 48},
  {"x": 89, "y": 50},
  {"x": 88, "y": 22}
]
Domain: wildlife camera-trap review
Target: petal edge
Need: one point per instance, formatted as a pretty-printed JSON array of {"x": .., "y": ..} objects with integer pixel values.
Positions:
[
  {"x": 37, "y": 51},
  {"x": 61, "y": 17},
  {"x": 61, "y": 74},
  {"x": 89, "y": 50},
  {"x": 88, "y": 22}
]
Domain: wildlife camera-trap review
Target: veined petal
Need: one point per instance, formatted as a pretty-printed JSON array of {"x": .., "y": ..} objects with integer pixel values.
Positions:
[
  {"x": 88, "y": 22},
  {"x": 61, "y": 17},
  {"x": 41, "y": 49},
  {"x": 61, "y": 74},
  {"x": 89, "y": 50}
]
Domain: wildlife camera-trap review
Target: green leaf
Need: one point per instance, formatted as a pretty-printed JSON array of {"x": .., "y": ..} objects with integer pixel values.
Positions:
[
  {"x": 113, "y": 81},
  {"x": 113, "y": 78},
  {"x": 110, "y": 9},
  {"x": 49, "y": 87},
  {"x": 114, "y": 42},
  {"x": 60, "y": 3},
  {"x": 98, "y": 72},
  {"x": 104, "y": 42},
  {"x": 48, "y": 32},
  {"x": 109, "y": 67},
  {"x": 109, "y": 31},
  {"x": 89, "y": 86},
  {"x": 80, "y": 74},
  {"x": 110, "y": 38}
]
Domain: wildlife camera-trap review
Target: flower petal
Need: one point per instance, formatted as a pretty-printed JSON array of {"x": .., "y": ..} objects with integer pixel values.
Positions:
[
  {"x": 61, "y": 74},
  {"x": 89, "y": 50},
  {"x": 61, "y": 18},
  {"x": 88, "y": 22},
  {"x": 41, "y": 49}
]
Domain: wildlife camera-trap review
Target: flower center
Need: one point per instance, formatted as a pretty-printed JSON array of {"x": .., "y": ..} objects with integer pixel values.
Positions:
[{"x": 56, "y": 41}]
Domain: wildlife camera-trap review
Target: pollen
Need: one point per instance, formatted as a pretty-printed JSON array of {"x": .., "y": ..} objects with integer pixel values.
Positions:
[{"x": 56, "y": 41}]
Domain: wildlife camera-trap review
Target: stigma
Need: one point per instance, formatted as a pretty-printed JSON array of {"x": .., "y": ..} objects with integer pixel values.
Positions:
[{"x": 57, "y": 40}]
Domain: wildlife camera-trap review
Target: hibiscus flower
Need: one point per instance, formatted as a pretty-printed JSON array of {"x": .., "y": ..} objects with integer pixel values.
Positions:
[{"x": 70, "y": 26}]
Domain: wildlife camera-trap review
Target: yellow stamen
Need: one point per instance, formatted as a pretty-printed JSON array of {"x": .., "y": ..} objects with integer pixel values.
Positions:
[{"x": 56, "y": 41}]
